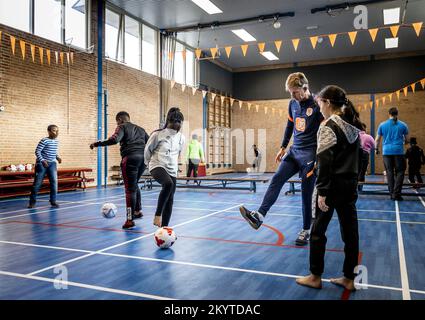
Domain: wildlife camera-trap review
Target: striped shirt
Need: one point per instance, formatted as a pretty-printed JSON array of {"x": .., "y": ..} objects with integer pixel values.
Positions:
[{"x": 47, "y": 149}]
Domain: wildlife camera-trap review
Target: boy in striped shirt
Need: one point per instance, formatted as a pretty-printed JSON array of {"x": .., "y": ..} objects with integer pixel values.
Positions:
[{"x": 47, "y": 154}]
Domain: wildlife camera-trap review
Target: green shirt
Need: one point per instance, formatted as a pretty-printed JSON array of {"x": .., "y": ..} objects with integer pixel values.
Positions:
[{"x": 194, "y": 150}]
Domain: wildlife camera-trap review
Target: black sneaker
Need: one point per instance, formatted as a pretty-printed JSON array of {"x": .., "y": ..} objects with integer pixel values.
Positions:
[
  {"x": 303, "y": 238},
  {"x": 129, "y": 224},
  {"x": 398, "y": 198},
  {"x": 54, "y": 205},
  {"x": 254, "y": 218},
  {"x": 31, "y": 205},
  {"x": 138, "y": 215}
]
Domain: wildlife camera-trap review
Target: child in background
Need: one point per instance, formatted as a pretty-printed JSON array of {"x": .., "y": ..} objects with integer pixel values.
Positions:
[
  {"x": 367, "y": 143},
  {"x": 415, "y": 157}
]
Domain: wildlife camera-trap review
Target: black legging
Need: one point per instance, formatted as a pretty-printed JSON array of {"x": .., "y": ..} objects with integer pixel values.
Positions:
[
  {"x": 132, "y": 167},
  {"x": 364, "y": 163},
  {"x": 193, "y": 165},
  {"x": 166, "y": 197},
  {"x": 342, "y": 198}
]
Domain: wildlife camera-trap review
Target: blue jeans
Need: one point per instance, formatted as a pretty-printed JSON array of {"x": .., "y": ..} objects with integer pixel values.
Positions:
[
  {"x": 296, "y": 160},
  {"x": 40, "y": 173}
]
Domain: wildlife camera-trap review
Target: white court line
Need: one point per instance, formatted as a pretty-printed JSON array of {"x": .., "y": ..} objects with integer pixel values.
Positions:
[
  {"x": 207, "y": 266},
  {"x": 421, "y": 199},
  {"x": 63, "y": 208},
  {"x": 402, "y": 258},
  {"x": 129, "y": 241},
  {"x": 86, "y": 286},
  {"x": 288, "y": 206}
]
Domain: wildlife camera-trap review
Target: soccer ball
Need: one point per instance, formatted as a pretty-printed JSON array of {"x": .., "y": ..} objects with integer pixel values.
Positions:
[
  {"x": 20, "y": 167},
  {"x": 109, "y": 210},
  {"x": 28, "y": 167},
  {"x": 165, "y": 237},
  {"x": 248, "y": 170}
]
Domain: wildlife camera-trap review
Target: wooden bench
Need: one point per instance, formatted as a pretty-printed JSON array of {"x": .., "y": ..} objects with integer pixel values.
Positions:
[
  {"x": 292, "y": 188},
  {"x": 19, "y": 183},
  {"x": 223, "y": 183}
]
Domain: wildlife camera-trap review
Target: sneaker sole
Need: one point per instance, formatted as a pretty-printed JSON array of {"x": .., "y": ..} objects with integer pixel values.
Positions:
[
  {"x": 245, "y": 216},
  {"x": 301, "y": 242}
]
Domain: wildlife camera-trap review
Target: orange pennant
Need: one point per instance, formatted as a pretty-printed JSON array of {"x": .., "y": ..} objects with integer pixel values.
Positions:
[
  {"x": 56, "y": 56},
  {"x": 12, "y": 44},
  {"x": 213, "y": 95},
  {"x": 32, "y": 52},
  {"x": 332, "y": 39},
  {"x": 184, "y": 54},
  {"x": 352, "y": 35},
  {"x": 183, "y": 87},
  {"x": 373, "y": 33},
  {"x": 48, "y": 56},
  {"x": 417, "y": 26},
  {"x": 390, "y": 96},
  {"x": 405, "y": 91},
  {"x": 198, "y": 53},
  {"x": 222, "y": 99},
  {"x": 172, "y": 83},
  {"x": 204, "y": 93},
  {"x": 72, "y": 57},
  {"x": 383, "y": 100},
  {"x": 22, "y": 44},
  {"x": 398, "y": 94},
  {"x": 371, "y": 104},
  {"x": 249, "y": 106},
  {"x": 193, "y": 91},
  {"x": 244, "y": 48},
  {"x": 41, "y": 53},
  {"x": 240, "y": 104},
  {"x": 295, "y": 43},
  {"x": 213, "y": 52},
  {"x": 394, "y": 30},
  {"x": 257, "y": 107},
  {"x": 413, "y": 86},
  {"x": 377, "y": 103},
  {"x": 261, "y": 46},
  {"x": 228, "y": 50},
  {"x": 61, "y": 56},
  {"x": 265, "y": 110},
  {"x": 278, "y": 44},
  {"x": 68, "y": 58},
  {"x": 423, "y": 83},
  {"x": 313, "y": 41}
]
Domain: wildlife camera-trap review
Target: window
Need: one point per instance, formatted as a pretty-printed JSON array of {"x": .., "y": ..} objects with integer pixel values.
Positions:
[
  {"x": 149, "y": 50},
  {"x": 48, "y": 19},
  {"x": 190, "y": 68},
  {"x": 179, "y": 67},
  {"x": 113, "y": 39},
  {"x": 75, "y": 23},
  {"x": 132, "y": 42},
  {"x": 16, "y": 14}
]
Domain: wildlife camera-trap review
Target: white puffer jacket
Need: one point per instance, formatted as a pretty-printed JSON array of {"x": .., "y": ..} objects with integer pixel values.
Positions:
[{"x": 163, "y": 149}]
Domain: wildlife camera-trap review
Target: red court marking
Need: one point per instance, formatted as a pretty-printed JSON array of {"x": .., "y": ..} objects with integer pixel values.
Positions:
[{"x": 346, "y": 294}]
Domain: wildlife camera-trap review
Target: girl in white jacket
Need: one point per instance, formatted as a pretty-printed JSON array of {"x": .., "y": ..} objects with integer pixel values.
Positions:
[{"x": 161, "y": 156}]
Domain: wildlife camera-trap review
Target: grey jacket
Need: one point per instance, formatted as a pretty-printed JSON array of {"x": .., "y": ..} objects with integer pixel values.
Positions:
[{"x": 163, "y": 149}]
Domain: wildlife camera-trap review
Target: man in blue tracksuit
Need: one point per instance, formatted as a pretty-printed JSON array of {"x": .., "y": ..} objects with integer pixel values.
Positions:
[{"x": 304, "y": 119}]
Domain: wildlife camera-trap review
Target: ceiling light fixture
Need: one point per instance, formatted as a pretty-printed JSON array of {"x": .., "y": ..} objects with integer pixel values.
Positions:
[
  {"x": 391, "y": 16},
  {"x": 391, "y": 43},
  {"x": 244, "y": 35},
  {"x": 269, "y": 55},
  {"x": 207, "y": 6}
]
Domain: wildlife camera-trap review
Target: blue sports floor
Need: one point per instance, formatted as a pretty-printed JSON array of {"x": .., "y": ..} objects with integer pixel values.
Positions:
[{"x": 217, "y": 254}]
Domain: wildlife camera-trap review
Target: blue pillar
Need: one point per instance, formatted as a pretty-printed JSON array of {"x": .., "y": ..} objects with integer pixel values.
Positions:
[
  {"x": 204, "y": 126},
  {"x": 105, "y": 136},
  {"x": 100, "y": 6},
  {"x": 372, "y": 133}
]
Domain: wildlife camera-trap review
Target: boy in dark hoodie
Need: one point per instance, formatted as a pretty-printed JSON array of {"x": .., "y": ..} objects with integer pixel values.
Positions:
[{"x": 415, "y": 158}]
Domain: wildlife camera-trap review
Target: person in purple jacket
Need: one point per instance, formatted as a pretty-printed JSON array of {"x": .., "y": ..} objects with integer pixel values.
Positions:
[{"x": 367, "y": 143}]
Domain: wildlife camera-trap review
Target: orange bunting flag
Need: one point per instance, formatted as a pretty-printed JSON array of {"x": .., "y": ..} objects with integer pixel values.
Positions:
[
  {"x": 295, "y": 43},
  {"x": 278, "y": 44},
  {"x": 33, "y": 52},
  {"x": 48, "y": 56},
  {"x": 413, "y": 86},
  {"x": 244, "y": 48},
  {"x": 72, "y": 57},
  {"x": 228, "y": 50},
  {"x": 352, "y": 35},
  {"x": 222, "y": 99},
  {"x": 68, "y": 58},
  {"x": 56, "y": 56},
  {"x": 398, "y": 94},
  {"x": 265, "y": 110},
  {"x": 170, "y": 55},
  {"x": 390, "y": 96},
  {"x": 383, "y": 100},
  {"x": 257, "y": 107},
  {"x": 198, "y": 53},
  {"x": 204, "y": 93},
  {"x": 417, "y": 26},
  {"x": 193, "y": 91},
  {"x": 394, "y": 30},
  {"x": 332, "y": 39},
  {"x": 183, "y": 87},
  {"x": 371, "y": 104},
  {"x": 213, "y": 95},
  {"x": 231, "y": 101},
  {"x": 373, "y": 33},
  {"x": 377, "y": 103},
  {"x": 213, "y": 52},
  {"x": 184, "y": 54},
  {"x": 240, "y": 104},
  {"x": 313, "y": 41},
  {"x": 249, "y": 106},
  {"x": 423, "y": 83},
  {"x": 405, "y": 91},
  {"x": 22, "y": 44},
  {"x": 261, "y": 46},
  {"x": 41, "y": 53},
  {"x": 12, "y": 44}
]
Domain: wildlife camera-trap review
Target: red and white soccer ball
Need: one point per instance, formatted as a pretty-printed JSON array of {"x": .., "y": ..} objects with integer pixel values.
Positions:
[
  {"x": 28, "y": 166},
  {"x": 165, "y": 237},
  {"x": 12, "y": 168}
]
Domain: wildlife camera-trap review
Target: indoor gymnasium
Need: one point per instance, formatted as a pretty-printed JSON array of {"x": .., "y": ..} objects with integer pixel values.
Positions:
[{"x": 212, "y": 150}]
